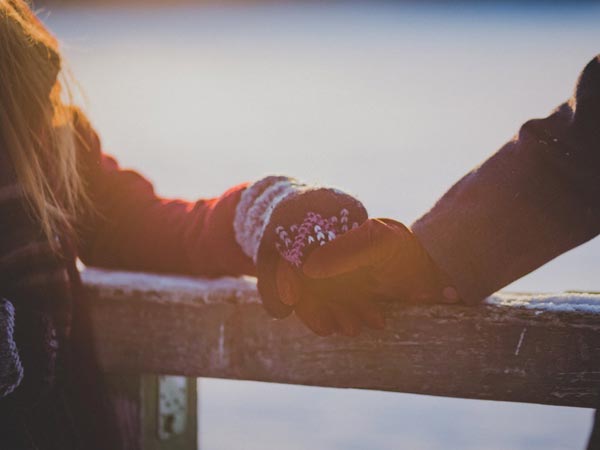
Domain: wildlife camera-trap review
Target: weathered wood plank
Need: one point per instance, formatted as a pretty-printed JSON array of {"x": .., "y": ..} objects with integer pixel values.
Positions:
[{"x": 544, "y": 350}]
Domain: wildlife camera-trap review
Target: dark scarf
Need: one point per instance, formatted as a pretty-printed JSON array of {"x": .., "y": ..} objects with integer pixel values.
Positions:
[{"x": 61, "y": 401}]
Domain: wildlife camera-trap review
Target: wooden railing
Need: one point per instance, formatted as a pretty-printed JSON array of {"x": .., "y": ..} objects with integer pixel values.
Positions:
[{"x": 536, "y": 349}]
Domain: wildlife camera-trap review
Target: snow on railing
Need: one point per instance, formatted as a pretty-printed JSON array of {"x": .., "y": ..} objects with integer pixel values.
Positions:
[{"x": 577, "y": 302}]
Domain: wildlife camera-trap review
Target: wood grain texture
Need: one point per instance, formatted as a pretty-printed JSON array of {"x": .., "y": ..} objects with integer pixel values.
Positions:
[{"x": 202, "y": 328}]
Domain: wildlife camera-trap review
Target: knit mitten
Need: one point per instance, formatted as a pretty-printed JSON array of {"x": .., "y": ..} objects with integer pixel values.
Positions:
[
  {"x": 11, "y": 370},
  {"x": 280, "y": 217}
]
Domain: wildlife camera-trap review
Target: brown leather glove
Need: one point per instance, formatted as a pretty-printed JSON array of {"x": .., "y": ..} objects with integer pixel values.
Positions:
[{"x": 381, "y": 259}]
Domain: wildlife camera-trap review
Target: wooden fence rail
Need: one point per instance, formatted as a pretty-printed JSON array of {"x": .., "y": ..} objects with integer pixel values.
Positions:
[{"x": 542, "y": 349}]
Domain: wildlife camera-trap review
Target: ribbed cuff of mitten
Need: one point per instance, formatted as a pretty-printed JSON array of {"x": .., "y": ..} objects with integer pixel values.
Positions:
[
  {"x": 11, "y": 369},
  {"x": 256, "y": 205}
]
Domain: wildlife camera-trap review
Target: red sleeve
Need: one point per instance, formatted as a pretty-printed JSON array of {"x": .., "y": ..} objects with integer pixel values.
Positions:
[{"x": 129, "y": 227}]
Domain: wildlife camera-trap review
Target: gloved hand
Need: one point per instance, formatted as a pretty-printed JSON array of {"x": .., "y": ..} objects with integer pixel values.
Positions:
[
  {"x": 341, "y": 280},
  {"x": 278, "y": 223},
  {"x": 388, "y": 259}
]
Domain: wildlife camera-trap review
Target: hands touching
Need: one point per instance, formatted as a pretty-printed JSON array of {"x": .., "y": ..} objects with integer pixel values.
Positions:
[
  {"x": 342, "y": 280},
  {"x": 394, "y": 263},
  {"x": 318, "y": 255}
]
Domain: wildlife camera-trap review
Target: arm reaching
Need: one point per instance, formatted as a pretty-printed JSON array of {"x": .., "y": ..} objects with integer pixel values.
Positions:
[
  {"x": 533, "y": 200},
  {"x": 240, "y": 232},
  {"x": 131, "y": 228},
  {"x": 536, "y": 198}
]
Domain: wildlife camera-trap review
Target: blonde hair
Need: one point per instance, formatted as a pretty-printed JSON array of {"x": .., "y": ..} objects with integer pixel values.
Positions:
[{"x": 36, "y": 126}]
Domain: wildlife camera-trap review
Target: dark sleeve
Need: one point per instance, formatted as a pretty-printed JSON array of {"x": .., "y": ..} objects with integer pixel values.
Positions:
[
  {"x": 533, "y": 200},
  {"x": 129, "y": 227}
]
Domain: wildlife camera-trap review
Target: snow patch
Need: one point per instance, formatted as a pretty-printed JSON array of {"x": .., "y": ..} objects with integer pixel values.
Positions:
[
  {"x": 564, "y": 302},
  {"x": 176, "y": 287}
]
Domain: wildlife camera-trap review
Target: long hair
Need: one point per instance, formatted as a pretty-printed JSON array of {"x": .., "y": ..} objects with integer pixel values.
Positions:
[{"x": 36, "y": 125}]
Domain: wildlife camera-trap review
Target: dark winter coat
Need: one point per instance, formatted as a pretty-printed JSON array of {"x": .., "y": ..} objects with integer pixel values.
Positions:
[{"x": 534, "y": 199}]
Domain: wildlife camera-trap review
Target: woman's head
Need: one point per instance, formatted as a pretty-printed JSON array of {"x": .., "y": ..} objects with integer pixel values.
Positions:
[{"x": 35, "y": 124}]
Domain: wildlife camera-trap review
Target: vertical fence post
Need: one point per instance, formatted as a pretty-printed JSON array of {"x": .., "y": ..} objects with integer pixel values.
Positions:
[{"x": 156, "y": 412}]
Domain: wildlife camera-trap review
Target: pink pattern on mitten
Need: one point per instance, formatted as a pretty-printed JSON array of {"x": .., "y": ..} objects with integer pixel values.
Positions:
[{"x": 315, "y": 230}]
